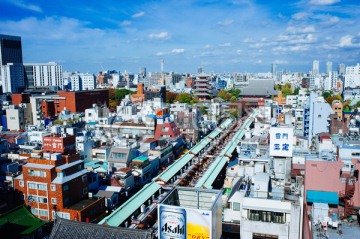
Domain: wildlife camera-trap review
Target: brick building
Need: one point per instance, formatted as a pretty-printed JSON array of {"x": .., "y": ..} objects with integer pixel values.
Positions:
[{"x": 55, "y": 181}]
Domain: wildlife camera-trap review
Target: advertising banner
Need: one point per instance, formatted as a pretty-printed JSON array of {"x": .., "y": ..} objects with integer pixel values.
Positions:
[{"x": 185, "y": 223}]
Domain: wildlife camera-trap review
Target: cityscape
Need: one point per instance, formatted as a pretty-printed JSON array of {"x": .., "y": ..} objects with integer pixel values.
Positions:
[{"x": 180, "y": 119}]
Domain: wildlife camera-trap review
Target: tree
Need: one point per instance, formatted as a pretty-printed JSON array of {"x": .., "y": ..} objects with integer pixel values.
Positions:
[
  {"x": 233, "y": 99},
  {"x": 170, "y": 97},
  {"x": 358, "y": 104},
  {"x": 112, "y": 94},
  {"x": 203, "y": 110},
  {"x": 185, "y": 98},
  {"x": 327, "y": 94},
  {"x": 113, "y": 104},
  {"x": 222, "y": 94},
  {"x": 121, "y": 93}
]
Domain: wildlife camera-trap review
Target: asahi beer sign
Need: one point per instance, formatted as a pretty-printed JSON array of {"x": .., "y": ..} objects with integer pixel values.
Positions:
[{"x": 185, "y": 223}]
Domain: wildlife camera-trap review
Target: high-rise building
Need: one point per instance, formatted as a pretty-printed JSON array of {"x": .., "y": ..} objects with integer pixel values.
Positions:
[
  {"x": 328, "y": 67},
  {"x": 315, "y": 68},
  {"x": 83, "y": 81},
  {"x": 352, "y": 76},
  {"x": 10, "y": 50},
  {"x": 43, "y": 74},
  {"x": 341, "y": 69},
  {"x": 13, "y": 80},
  {"x": 273, "y": 69},
  {"x": 143, "y": 72}
]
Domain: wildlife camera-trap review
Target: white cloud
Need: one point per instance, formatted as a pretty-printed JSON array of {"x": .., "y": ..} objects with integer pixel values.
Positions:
[
  {"x": 280, "y": 62},
  {"x": 161, "y": 35},
  {"x": 125, "y": 23},
  {"x": 238, "y": 52},
  {"x": 225, "y": 44},
  {"x": 137, "y": 15},
  {"x": 258, "y": 62},
  {"x": 291, "y": 48},
  {"x": 347, "y": 41},
  {"x": 226, "y": 22},
  {"x": 295, "y": 30},
  {"x": 27, "y": 6},
  {"x": 247, "y": 40},
  {"x": 300, "y": 15},
  {"x": 207, "y": 46},
  {"x": 323, "y": 2},
  {"x": 178, "y": 50},
  {"x": 173, "y": 51}
]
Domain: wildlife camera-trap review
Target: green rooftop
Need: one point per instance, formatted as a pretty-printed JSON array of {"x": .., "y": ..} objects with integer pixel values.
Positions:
[
  {"x": 19, "y": 221},
  {"x": 141, "y": 158}
]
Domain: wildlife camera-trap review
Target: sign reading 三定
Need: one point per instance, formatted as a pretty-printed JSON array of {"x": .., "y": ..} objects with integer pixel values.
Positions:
[{"x": 281, "y": 141}]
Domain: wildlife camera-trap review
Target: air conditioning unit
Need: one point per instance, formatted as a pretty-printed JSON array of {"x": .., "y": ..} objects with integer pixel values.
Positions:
[{"x": 90, "y": 195}]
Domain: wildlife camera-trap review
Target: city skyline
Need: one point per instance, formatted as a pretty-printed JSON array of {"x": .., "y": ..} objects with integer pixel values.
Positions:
[{"x": 223, "y": 36}]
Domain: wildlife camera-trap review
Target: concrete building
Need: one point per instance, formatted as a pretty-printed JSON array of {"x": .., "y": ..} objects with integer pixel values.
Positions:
[
  {"x": 83, "y": 81},
  {"x": 329, "y": 65},
  {"x": 54, "y": 182},
  {"x": 10, "y": 50},
  {"x": 352, "y": 76},
  {"x": 13, "y": 79},
  {"x": 316, "y": 115},
  {"x": 15, "y": 117},
  {"x": 316, "y": 67},
  {"x": 337, "y": 107},
  {"x": 341, "y": 69},
  {"x": 43, "y": 75}
]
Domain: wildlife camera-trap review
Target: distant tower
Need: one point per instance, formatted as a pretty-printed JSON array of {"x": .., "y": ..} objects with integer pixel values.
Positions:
[
  {"x": 143, "y": 72},
  {"x": 341, "y": 69},
  {"x": 162, "y": 72},
  {"x": 315, "y": 69},
  {"x": 273, "y": 69},
  {"x": 328, "y": 67}
]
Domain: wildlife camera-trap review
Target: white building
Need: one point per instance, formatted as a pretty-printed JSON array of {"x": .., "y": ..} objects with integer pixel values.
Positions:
[
  {"x": 15, "y": 117},
  {"x": 44, "y": 74},
  {"x": 315, "y": 69},
  {"x": 352, "y": 76},
  {"x": 83, "y": 81},
  {"x": 13, "y": 80}
]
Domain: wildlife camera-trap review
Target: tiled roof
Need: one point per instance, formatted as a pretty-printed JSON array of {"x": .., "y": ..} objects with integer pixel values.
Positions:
[
  {"x": 18, "y": 223},
  {"x": 66, "y": 229}
]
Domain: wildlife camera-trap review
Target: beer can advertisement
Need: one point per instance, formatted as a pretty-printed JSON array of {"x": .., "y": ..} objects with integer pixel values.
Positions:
[{"x": 185, "y": 223}]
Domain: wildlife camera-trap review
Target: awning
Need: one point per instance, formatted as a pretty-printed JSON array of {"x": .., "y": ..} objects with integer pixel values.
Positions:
[{"x": 322, "y": 197}]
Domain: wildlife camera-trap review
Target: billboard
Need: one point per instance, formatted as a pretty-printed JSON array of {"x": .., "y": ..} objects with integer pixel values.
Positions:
[
  {"x": 281, "y": 141},
  {"x": 53, "y": 144},
  {"x": 184, "y": 223}
]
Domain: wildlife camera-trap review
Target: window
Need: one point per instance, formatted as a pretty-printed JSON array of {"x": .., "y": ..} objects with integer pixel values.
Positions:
[
  {"x": 66, "y": 187},
  {"x": 53, "y": 187},
  {"x": 32, "y": 185},
  {"x": 236, "y": 206},
  {"x": 84, "y": 178},
  {"x": 79, "y": 167},
  {"x": 21, "y": 183},
  {"x": 34, "y": 211},
  {"x": 42, "y": 200},
  {"x": 53, "y": 200},
  {"x": 118, "y": 156},
  {"x": 61, "y": 174},
  {"x": 319, "y": 116},
  {"x": 85, "y": 190},
  {"x": 36, "y": 173},
  {"x": 42, "y": 187},
  {"x": 43, "y": 213}
]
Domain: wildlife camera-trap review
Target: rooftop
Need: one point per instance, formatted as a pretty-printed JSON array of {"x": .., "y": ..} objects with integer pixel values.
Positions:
[{"x": 83, "y": 204}]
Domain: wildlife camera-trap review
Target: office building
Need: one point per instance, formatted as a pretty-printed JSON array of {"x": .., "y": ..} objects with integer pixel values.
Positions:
[
  {"x": 315, "y": 68},
  {"x": 83, "y": 81},
  {"x": 341, "y": 69},
  {"x": 273, "y": 69},
  {"x": 10, "y": 50},
  {"x": 43, "y": 75},
  {"x": 13, "y": 80},
  {"x": 328, "y": 67},
  {"x": 352, "y": 76}
]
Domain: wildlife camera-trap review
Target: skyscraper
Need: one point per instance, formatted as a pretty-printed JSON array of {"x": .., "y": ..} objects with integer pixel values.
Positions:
[
  {"x": 328, "y": 67},
  {"x": 341, "y": 69},
  {"x": 315, "y": 69},
  {"x": 10, "y": 74},
  {"x": 273, "y": 69}
]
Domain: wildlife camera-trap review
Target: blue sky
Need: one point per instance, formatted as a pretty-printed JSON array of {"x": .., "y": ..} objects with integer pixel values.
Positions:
[{"x": 221, "y": 35}]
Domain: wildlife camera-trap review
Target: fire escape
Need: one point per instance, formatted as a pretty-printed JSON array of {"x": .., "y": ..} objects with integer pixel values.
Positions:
[{"x": 346, "y": 197}]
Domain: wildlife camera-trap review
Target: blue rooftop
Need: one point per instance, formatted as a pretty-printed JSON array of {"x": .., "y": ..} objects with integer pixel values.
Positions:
[{"x": 322, "y": 197}]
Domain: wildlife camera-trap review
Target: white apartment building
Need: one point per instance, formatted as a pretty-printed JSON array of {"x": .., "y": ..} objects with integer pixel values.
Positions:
[
  {"x": 44, "y": 74},
  {"x": 15, "y": 118},
  {"x": 13, "y": 80},
  {"x": 83, "y": 81},
  {"x": 352, "y": 76}
]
